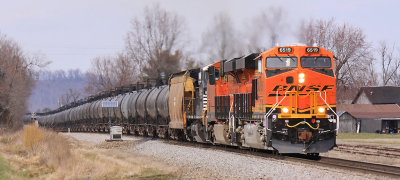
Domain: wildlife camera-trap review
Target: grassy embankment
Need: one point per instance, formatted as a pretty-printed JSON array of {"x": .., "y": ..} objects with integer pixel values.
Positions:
[
  {"x": 42, "y": 154},
  {"x": 367, "y": 136},
  {"x": 4, "y": 168},
  {"x": 370, "y": 138}
]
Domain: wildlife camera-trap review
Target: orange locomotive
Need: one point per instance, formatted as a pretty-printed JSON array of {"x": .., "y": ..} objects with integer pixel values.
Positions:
[{"x": 284, "y": 99}]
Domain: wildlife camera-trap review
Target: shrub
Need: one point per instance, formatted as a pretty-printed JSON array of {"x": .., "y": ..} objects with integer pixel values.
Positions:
[
  {"x": 53, "y": 149},
  {"x": 32, "y": 137}
]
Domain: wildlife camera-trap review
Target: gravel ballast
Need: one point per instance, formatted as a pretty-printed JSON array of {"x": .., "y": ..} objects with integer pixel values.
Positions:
[{"x": 216, "y": 164}]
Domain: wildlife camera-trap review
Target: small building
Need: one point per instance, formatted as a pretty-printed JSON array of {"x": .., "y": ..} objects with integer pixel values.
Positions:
[
  {"x": 369, "y": 118},
  {"x": 348, "y": 123}
]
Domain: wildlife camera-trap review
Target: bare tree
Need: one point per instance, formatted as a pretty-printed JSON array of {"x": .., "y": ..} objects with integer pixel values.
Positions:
[
  {"x": 192, "y": 63},
  {"x": 220, "y": 41},
  {"x": 16, "y": 72},
  {"x": 396, "y": 79},
  {"x": 352, "y": 53},
  {"x": 72, "y": 95},
  {"x": 155, "y": 43},
  {"x": 389, "y": 63},
  {"x": 371, "y": 74},
  {"x": 74, "y": 74},
  {"x": 165, "y": 65},
  {"x": 110, "y": 72},
  {"x": 265, "y": 29},
  {"x": 99, "y": 76},
  {"x": 124, "y": 71}
]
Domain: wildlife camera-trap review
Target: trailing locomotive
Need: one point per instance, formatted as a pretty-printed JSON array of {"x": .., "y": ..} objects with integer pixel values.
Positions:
[{"x": 283, "y": 99}]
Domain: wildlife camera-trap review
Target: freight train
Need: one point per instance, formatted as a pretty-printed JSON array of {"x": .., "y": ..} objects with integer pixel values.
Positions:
[{"x": 283, "y": 99}]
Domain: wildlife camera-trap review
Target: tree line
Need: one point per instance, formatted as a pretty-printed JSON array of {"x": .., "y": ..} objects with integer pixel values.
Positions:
[
  {"x": 157, "y": 45},
  {"x": 57, "y": 88}
]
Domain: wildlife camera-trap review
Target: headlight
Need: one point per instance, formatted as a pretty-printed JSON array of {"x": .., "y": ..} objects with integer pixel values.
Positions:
[
  {"x": 285, "y": 110},
  {"x": 321, "y": 109},
  {"x": 301, "y": 78}
]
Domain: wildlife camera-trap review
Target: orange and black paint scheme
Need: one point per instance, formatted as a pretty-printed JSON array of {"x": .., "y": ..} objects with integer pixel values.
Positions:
[{"x": 283, "y": 99}]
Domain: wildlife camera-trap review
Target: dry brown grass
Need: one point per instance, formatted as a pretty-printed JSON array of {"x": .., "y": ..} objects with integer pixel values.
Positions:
[
  {"x": 41, "y": 154},
  {"x": 34, "y": 151},
  {"x": 32, "y": 137}
]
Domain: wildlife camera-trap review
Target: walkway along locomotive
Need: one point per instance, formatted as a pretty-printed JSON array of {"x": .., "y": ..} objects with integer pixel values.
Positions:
[{"x": 282, "y": 99}]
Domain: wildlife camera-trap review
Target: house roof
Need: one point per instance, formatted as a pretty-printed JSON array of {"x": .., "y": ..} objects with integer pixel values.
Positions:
[
  {"x": 380, "y": 95},
  {"x": 340, "y": 113},
  {"x": 371, "y": 111}
]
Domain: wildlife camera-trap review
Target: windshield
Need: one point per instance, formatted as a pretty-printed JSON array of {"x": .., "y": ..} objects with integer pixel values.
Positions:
[
  {"x": 281, "y": 62},
  {"x": 315, "y": 62}
]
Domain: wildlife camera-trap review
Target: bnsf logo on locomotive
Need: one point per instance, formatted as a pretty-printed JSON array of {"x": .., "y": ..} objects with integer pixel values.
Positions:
[{"x": 284, "y": 88}]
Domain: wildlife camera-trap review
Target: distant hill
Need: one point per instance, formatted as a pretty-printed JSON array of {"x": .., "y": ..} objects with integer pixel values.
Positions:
[{"x": 51, "y": 85}]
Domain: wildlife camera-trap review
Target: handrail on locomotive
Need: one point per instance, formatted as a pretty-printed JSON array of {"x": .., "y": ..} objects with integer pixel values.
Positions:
[{"x": 266, "y": 116}]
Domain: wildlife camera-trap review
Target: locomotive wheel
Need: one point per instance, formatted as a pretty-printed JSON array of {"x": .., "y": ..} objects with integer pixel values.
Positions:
[
  {"x": 188, "y": 137},
  {"x": 275, "y": 152},
  {"x": 314, "y": 156}
]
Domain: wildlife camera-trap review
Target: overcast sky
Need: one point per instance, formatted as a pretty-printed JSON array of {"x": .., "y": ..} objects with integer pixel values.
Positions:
[{"x": 71, "y": 33}]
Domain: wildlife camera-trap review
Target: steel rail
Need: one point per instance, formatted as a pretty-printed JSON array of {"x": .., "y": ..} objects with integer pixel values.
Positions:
[{"x": 365, "y": 167}]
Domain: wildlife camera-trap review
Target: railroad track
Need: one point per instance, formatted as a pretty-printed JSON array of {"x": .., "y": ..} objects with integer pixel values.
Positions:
[
  {"x": 392, "y": 171},
  {"x": 369, "y": 150},
  {"x": 363, "y": 167}
]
